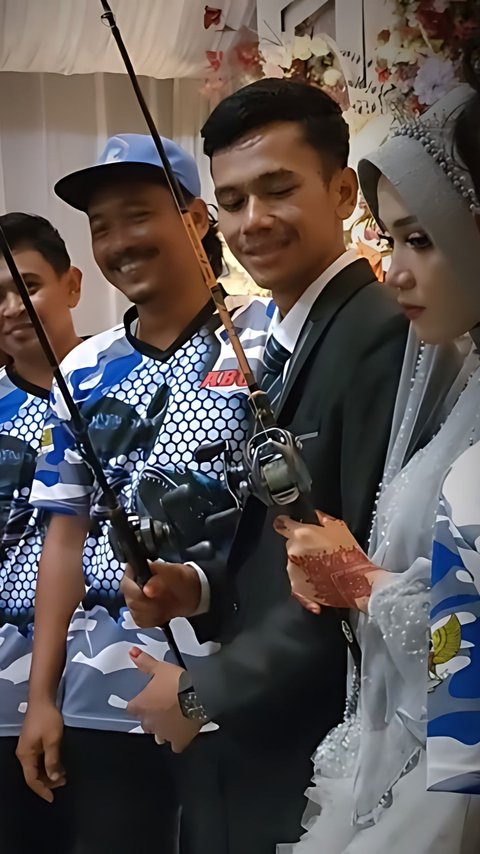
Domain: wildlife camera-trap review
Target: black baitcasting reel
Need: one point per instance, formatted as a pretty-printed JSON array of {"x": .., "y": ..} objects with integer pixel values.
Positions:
[
  {"x": 190, "y": 517},
  {"x": 180, "y": 517},
  {"x": 273, "y": 470}
]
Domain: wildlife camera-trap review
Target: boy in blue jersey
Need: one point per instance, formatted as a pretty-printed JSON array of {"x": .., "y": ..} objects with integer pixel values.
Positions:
[
  {"x": 26, "y": 823},
  {"x": 152, "y": 389}
]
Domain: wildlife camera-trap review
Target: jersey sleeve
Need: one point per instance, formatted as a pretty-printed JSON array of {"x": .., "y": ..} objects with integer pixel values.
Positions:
[{"x": 63, "y": 481}]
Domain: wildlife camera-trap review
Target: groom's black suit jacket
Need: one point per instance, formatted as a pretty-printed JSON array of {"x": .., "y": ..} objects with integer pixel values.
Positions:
[{"x": 280, "y": 676}]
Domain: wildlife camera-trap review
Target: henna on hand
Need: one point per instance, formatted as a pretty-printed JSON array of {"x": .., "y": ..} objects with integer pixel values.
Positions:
[
  {"x": 339, "y": 579},
  {"x": 326, "y": 565}
]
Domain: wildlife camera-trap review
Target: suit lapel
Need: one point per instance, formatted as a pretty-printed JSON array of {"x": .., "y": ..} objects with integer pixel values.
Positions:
[{"x": 328, "y": 304}]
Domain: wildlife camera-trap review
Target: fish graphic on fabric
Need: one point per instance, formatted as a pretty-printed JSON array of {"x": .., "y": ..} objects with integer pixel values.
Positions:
[
  {"x": 17, "y": 467},
  {"x": 114, "y": 423}
]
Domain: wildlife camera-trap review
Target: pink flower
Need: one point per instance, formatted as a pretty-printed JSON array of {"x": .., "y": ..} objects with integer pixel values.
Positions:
[
  {"x": 435, "y": 79},
  {"x": 211, "y": 17},
  {"x": 404, "y": 77},
  {"x": 215, "y": 58},
  {"x": 247, "y": 55},
  {"x": 383, "y": 74}
]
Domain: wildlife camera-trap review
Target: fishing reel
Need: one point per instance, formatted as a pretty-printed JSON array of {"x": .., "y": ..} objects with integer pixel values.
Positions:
[
  {"x": 187, "y": 516},
  {"x": 273, "y": 469},
  {"x": 181, "y": 516},
  {"x": 277, "y": 473}
]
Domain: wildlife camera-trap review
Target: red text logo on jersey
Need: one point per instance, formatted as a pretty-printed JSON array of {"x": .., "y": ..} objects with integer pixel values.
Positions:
[{"x": 224, "y": 379}]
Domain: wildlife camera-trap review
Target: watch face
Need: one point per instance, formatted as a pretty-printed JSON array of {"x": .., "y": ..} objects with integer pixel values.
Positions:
[{"x": 191, "y": 706}]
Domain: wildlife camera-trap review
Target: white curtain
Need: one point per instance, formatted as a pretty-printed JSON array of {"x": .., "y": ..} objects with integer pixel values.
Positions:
[
  {"x": 60, "y": 98},
  {"x": 165, "y": 38},
  {"x": 52, "y": 124}
]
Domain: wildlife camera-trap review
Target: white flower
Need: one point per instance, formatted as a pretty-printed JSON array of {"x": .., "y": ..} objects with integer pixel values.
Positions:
[
  {"x": 441, "y": 5},
  {"x": 332, "y": 76},
  {"x": 435, "y": 79},
  {"x": 395, "y": 51},
  {"x": 272, "y": 70},
  {"x": 319, "y": 46},
  {"x": 276, "y": 54},
  {"x": 302, "y": 47}
]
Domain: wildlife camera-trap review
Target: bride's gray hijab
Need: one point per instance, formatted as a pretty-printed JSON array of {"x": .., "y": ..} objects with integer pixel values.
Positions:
[{"x": 420, "y": 161}]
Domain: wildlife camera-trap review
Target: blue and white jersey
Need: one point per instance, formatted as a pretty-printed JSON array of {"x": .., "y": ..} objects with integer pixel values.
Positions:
[
  {"x": 22, "y": 412},
  {"x": 148, "y": 411},
  {"x": 453, "y": 745}
]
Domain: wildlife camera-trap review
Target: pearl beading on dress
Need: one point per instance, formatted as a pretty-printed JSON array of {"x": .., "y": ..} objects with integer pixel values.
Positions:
[
  {"x": 337, "y": 753},
  {"x": 388, "y": 475},
  {"x": 392, "y": 604}
]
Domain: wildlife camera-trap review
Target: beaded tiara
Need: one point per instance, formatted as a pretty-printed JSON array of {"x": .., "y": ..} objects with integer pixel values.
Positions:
[
  {"x": 421, "y": 162},
  {"x": 434, "y": 132}
]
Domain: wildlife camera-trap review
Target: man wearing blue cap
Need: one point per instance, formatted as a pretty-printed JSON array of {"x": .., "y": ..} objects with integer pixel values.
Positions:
[{"x": 146, "y": 390}]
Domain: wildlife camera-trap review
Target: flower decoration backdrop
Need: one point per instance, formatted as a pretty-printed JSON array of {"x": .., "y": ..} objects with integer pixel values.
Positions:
[
  {"x": 420, "y": 55},
  {"x": 308, "y": 57}
]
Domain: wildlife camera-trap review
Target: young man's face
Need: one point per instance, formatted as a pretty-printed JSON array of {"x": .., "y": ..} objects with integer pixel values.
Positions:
[
  {"x": 139, "y": 241},
  {"x": 279, "y": 211},
  {"x": 53, "y": 296}
]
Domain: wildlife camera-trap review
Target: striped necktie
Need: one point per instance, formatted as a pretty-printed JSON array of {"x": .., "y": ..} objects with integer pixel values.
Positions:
[{"x": 275, "y": 358}]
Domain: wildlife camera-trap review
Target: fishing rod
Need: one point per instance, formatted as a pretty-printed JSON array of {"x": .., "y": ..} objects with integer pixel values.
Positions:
[
  {"x": 183, "y": 209},
  {"x": 117, "y": 516},
  {"x": 276, "y": 472},
  {"x": 269, "y": 473}
]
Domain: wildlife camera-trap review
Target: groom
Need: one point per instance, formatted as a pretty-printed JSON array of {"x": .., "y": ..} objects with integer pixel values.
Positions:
[{"x": 278, "y": 154}]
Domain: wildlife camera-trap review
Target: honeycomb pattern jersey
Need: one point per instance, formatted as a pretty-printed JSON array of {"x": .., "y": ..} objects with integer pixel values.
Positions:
[
  {"x": 22, "y": 411},
  {"x": 147, "y": 411}
]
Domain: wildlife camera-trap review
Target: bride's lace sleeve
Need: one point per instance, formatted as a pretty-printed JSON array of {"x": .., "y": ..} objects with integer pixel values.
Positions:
[
  {"x": 401, "y": 612},
  {"x": 393, "y": 687}
]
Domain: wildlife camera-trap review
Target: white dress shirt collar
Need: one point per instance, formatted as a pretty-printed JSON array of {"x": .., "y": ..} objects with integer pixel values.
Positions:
[{"x": 287, "y": 330}]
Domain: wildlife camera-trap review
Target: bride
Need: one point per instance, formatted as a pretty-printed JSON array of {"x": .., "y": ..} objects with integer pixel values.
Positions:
[
  {"x": 453, "y": 744},
  {"x": 369, "y": 790}
]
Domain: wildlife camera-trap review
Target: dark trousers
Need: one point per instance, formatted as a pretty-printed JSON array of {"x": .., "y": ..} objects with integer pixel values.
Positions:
[
  {"x": 27, "y": 823},
  {"x": 240, "y": 798},
  {"x": 119, "y": 797},
  {"x": 122, "y": 791}
]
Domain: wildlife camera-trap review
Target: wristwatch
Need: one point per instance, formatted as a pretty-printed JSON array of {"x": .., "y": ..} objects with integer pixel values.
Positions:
[{"x": 188, "y": 700}]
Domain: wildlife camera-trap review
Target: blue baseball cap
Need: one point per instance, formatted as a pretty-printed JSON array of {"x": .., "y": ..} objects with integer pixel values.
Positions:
[{"x": 125, "y": 153}]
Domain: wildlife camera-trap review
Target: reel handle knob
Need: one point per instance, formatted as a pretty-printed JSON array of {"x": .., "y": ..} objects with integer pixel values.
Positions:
[
  {"x": 201, "y": 551},
  {"x": 207, "y": 453}
]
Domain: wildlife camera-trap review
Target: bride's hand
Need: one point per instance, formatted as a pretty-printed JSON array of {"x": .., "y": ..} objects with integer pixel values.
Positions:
[{"x": 326, "y": 566}]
